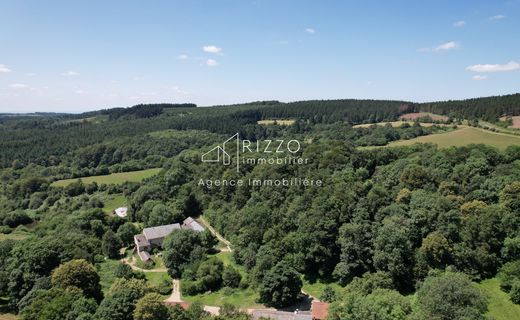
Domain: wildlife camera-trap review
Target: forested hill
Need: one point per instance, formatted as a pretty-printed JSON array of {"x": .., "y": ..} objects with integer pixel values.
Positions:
[{"x": 488, "y": 108}]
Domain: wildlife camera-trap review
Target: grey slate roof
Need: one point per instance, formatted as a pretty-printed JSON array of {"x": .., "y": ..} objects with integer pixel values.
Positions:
[
  {"x": 141, "y": 240},
  {"x": 190, "y": 223},
  {"x": 160, "y": 231},
  {"x": 145, "y": 256}
]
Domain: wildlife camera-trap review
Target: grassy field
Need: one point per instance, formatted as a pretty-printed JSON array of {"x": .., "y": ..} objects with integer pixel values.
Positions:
[
  {"x": 463, "y": 136},
  {"x": 225, "y": 257},
  {"x": 245, "y": 298},
  {"x": 287, "y": 122},
  {"x": 8, "y": 316},
  {"x": 113, "y": 202},
  {"x": 316, "y": 289},
  {"x": 396, "y": 124},
  {"x": 106, "y": 273},
  {"x": 157, "y": 278},
  {"x": 416, "y": 115},
  {"x": 500, "y": 307},
  {"x": 114, "y": 178},
  {"x": 15, "y": 235}
]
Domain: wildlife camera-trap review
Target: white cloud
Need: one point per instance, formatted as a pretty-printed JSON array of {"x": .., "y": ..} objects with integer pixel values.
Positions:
[
  {"x": 80, "y": 92},
  {"x": 479, "y": 77},
  {"x": 18, "y": 86},
  {"x": 510, "y": 66},
  {"x": 70, "y": 73},
  {"x": 497, "y": 17},
  {"x": 212, "y": 49},
  {"x": 211, "y": 63},
  {"x": 183, "y": 57},
  {"x": 447, "y": 46},
  {"x": 310, "y": 30},
  {"x": 459, "y": 23},
  {"x": 4, "y": 68}
]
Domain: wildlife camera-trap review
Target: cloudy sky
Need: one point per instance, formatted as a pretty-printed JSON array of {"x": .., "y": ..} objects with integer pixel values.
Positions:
[{"x": 76, "y": 56}]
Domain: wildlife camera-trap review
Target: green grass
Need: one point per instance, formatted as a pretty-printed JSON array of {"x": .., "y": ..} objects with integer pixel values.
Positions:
[
  {"x": 316, "y": 289},
  {"x": 157, "y": 278},
  {"x": 106, "y": 273},
  {"x": 15, "y": 235},
  {"x": 113, "y": 202},
  {"x": 226, "y": 258},
  {"x": 243, "y": 298},
  {"x": 114, "y": 178},
  {"x": 463, "y": 136},
  {"x": 500, "y": 306}
]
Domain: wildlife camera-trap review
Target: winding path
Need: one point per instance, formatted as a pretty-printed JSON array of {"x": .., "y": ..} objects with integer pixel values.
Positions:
[{"x": 216, "y": 234}]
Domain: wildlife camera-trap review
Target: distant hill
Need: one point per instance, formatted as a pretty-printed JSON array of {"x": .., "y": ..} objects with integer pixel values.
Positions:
[{"x": 487, "y": 108}]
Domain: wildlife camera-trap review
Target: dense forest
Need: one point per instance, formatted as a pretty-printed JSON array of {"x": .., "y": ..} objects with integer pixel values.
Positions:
[{"x": 394, "y": 233}]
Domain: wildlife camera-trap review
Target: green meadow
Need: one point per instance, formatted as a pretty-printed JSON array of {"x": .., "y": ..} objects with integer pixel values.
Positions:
[{"x": 114, "y": 178}]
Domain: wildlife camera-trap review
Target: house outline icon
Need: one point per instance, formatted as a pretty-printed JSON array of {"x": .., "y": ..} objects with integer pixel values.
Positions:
[{"x": 220, "y": 155}]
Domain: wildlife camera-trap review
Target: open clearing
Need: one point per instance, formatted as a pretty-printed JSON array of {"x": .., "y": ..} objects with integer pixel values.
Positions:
[
  {"x": 114, "y": 178},
  {"x": 416, "y": 115},
  {"x": 500, "y": 306},
  {"x": 315, "y": 289},
  {"x": 516, "y": 122},
  {"x": 15, "y": 235},
  {"x": 286, "y": 122},
  {"x": 113, "y": 202},
  {"x": 463, "y": 136},
  {"x": 396, "y": 124}
]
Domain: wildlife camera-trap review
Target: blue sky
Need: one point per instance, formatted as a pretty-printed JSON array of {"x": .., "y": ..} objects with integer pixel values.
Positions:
[{"x": 76, "y": 56}]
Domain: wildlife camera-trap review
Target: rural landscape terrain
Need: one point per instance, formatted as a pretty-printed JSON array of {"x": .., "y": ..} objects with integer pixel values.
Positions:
[{"x": 417, "y": 216}]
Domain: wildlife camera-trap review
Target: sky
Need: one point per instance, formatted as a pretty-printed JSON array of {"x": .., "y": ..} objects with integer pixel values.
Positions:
[{"x": 76, "y": 56}]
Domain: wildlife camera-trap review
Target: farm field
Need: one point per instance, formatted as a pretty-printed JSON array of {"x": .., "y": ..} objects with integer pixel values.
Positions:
[
  {"x": 463, "y": 136},
  {"x": 416, "y": 115},
  {"x": 500, "y": 306},
  {"x": 114, "y": 178},
  {"x": 516, "y": 122},
  {"x": 396, "y": 124},
  {"x": 286, "y": 122}
]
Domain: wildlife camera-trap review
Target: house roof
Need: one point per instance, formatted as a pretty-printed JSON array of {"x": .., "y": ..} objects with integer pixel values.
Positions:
[
  {"x": 145, "y": 256},
  {"x": 320, "y": 310},
  {"x": 141, "y": 241},
  {"x": 160, "y": 231},
  {"x": 192, "y": 224}
]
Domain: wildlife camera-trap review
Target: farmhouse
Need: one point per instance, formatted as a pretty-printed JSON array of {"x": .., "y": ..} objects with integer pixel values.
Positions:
[{"x": 153, "y": 237}]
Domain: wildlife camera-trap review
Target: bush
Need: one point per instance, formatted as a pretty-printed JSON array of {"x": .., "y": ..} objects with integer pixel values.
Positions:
[
  {"x": 16, "y": 218},
  {"x": 514, "y": 293},
  {"x": 509, "y": 273},
  {"x": 165, "y": 287},
  {"x": 231, "y": 277},
  {"x": 123, "y": 271}
]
